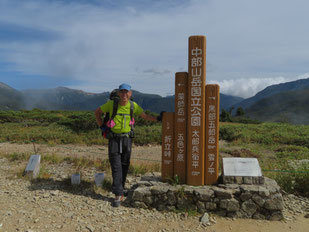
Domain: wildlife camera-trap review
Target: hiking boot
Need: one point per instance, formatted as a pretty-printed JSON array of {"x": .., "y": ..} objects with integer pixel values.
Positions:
[
  {"x": 117, "y": 201},
  {"x": 125, "y": 192}
]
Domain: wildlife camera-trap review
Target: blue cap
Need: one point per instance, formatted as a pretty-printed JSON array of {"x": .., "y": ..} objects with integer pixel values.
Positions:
[{"x": 125, "y": 86}]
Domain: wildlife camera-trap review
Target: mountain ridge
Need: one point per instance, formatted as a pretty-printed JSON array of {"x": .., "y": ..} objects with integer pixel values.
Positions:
[
  {"x": 63, "y": 98},
  {"x": 272, "y": 90},
  {"x": 295, "y": 109},
  {"x": 271, "y": 104}
]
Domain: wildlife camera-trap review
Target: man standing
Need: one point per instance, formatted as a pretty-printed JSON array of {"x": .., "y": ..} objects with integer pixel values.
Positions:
[{"x": 120, "y": 142}]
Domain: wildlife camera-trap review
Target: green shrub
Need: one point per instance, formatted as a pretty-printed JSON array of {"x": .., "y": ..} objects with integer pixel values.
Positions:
[
  {"x": 80, "y": 121},
  {"x": 229, "y": 134},
  {"x": 147, "y": 135},
  {"x": 293, "y": 181}
]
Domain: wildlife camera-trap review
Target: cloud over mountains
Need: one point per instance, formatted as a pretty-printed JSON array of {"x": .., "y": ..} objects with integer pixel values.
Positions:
[{"x": 95, "y": 45}]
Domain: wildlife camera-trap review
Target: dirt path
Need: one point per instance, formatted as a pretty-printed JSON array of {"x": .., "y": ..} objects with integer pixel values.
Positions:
[{"x": 53, "y": 205}]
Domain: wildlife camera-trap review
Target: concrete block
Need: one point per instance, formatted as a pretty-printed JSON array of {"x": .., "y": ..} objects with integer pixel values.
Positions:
[
  {"x": 98, "y": 179},
  {"x": 33, "y": 166},
  {"x": 75, "y": 179}
]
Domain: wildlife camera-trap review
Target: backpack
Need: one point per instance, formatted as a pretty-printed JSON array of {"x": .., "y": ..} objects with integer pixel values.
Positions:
[{"x": 108, "y": 121}]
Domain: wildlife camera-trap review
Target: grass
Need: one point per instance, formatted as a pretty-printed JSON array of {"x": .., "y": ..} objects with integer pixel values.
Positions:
[
  {"x": 277, "y": 146},
  {"x": 65, "y": 127},
  {"x": 136, "y": 167},
  {"x": 141, "y": 168}
]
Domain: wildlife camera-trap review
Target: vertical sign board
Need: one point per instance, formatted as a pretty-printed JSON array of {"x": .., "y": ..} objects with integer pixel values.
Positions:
[
  {"x": 212, "y": 134},
  {"x": 167, "y": 171},
  {"x": 196, "y": 110},
  {"x": 180, "y": 136}
]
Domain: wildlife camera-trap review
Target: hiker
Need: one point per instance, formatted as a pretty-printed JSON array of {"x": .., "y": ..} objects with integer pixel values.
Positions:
[{"x": 120, "y": 136}]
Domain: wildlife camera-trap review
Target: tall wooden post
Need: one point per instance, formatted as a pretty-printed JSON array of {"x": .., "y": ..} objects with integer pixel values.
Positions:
[
  {"x": 180, "y": 145},
  {"x": 196, "y": 110},
  {"x": 167, "y": 169},
  {"x": 212, "y": 134}
]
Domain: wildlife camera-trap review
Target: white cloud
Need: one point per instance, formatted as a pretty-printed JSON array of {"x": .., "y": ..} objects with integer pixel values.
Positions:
[
  {"x": 101, "y": 47},
  {"x": 250, "y": 86}
]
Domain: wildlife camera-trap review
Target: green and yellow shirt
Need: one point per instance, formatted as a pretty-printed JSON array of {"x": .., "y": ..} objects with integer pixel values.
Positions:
[{"x": 122, "y": 121}]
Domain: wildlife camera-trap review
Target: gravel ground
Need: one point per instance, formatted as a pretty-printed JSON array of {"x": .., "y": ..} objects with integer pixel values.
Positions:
[{"x": 54, "y": 205}]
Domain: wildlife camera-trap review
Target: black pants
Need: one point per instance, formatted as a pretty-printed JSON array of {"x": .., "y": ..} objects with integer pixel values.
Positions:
[{"x": 119, "y": 153}]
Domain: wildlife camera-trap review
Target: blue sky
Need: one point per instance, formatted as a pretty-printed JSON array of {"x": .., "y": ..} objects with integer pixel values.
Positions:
[{"x": 94, "y": 45}]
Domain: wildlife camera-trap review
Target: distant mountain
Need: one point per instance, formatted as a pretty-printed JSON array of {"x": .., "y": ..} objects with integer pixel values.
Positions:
[
  {"x": 70, "y": 99},
  {"x": 272, "y": 90},
  {"x": 10, "y": 99},
  {"x": 62, "y": 98},
  {"x": 227, "y": 101},
  {"x": 287, "y": 106}
]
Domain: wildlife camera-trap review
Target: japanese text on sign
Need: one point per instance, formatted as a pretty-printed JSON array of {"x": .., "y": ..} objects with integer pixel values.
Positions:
[
  {"x": 211, "y": 135},
  {"x": 196, "y": 105}
]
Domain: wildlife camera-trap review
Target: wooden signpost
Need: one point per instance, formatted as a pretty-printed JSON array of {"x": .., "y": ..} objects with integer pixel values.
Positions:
[
  {"x": 190, "y": 136},
  {"x": 196, "y": 110},
  {"x": 180, "y": 143},
  {"x": 167, "y": 170},
  {"x": 212, "y": 134}
]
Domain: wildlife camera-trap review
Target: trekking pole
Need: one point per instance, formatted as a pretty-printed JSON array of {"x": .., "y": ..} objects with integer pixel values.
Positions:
[{"x": 35, "y": 151}]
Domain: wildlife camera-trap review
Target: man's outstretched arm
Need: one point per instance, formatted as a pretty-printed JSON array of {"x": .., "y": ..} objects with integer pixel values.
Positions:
[
  {"x": 98, "y": 116},
  {"x": 148, "y": 117}
]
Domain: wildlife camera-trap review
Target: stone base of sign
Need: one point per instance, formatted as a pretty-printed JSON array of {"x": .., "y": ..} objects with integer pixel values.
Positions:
[
  {"x": 75, "y": 179},
  {"x": 263, "y": 201},
  {"x": 33, "y": 166},
  {"x": 257, "y": 180}
]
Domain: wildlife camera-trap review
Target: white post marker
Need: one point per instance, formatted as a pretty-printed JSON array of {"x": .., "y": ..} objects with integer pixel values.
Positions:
[
  {"x": 75, "y": 179},
  {"x": 33, "y": 166},
  {"x": 99, "y": 179}
]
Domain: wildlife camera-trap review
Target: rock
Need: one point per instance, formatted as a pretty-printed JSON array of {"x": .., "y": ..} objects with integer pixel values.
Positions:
[
  {"x": 171, "y": 199},
  {"x": 276, "y": 216},
  {"x": 275, "y": 202},
  {"x": 156, "y": 177},
  {"x": 203, "y": 194},
  {"x": 245, "y": 196},
  {"x": 9, "y": 213},
  {"x": 205, "y": 219},
  {"x": 69, "y": 215},
  {"x": 210, "y": 205},
  {"x": 239, "y": 180},
  {"x": 229, "y": 204},
  {"x": 157, "y": 190},
  {"x": 232, "y": 205},
  {"x": 247, "y": 180},
  {"x": 148, "y": 200},
  {"x": 263, "y": 192},
  {"x": 223, "y": 193},
  {"x": 259, "y": 216},
  {"x": 249, "y": 207},
  {"x": 228, "y": 179},
  {"x": 213, "y": 220},
  {"x": 249, "y": 188},
  {"x": 307, "y": 215},
  {"x": 223, "y": 204},
  {"x": 140, "y": 192},
  {"x": 138, "y": 204},
  {"x": 200, "y": 207},
  {"x": 258, "y": 200},
  {"x": 271, "y": 185},
  {"x": 54, "y": 193},
  {"x": 90, "y": 228}
]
